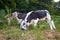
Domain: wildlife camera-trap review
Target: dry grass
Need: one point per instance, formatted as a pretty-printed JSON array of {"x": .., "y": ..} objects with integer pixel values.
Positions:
[{"x": 15, "y": 33}]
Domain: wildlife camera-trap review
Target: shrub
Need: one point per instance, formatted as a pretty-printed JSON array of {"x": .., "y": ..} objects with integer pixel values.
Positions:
[{"x": 2, "y": 14}]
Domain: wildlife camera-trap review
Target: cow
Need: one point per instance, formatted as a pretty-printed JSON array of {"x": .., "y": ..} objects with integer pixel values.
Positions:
[
  {"x": 33, "y": 17},
  {"x": 17, "y": 15}
]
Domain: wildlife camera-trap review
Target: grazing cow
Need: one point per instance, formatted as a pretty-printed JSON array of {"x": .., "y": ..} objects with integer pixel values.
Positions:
[
  {"x": 33, "y": 17},
  {"x": 17, "y": 15}
]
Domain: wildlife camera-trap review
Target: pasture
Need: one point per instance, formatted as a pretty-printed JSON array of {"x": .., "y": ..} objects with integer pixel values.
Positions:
[
  {"x": 10, "y": 29},
  {"x": 40, "y": 32}
]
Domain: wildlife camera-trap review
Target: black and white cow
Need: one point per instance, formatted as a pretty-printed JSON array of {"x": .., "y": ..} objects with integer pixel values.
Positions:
[
  {"x": 33, "y": 17},
  {"x": 16, "y": 15},
  {"x": 19, "y": 16}
]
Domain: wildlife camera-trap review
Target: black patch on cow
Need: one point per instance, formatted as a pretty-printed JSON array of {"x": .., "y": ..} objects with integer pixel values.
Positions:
[
  {"x": 36, "y": 14},
  {"x": 21, "y": 16}
]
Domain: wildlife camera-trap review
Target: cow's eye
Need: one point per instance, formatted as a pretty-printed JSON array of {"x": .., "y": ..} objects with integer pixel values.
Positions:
[{"x": 23, "y": 23}]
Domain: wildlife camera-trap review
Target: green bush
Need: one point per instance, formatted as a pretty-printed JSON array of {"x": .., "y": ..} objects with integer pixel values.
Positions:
[
  {"x": 14, "y": 22},
  {"x": 3, "y": 26},
  {"x": 2, "y": 14}
]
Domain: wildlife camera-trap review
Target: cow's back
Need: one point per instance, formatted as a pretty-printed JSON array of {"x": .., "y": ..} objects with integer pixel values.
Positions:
[
  {"x": 41, "y": 14},
  {"x": 37, "y": 14}
]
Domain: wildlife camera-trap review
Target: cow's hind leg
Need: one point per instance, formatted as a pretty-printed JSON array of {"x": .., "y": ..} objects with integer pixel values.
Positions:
[{"x": 51, "y": 23}]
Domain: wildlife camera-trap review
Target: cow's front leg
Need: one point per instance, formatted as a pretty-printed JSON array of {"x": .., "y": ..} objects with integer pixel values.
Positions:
[
  {"x": 9, "y": 20},
  {"x": 35, "y": 22}
]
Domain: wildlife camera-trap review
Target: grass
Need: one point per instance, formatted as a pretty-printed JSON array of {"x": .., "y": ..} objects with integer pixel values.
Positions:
[{"x": 42, "y": 32}]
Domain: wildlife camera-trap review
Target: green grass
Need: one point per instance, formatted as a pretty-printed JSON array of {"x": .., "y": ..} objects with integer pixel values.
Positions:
[{"x": 37, "y": 33}]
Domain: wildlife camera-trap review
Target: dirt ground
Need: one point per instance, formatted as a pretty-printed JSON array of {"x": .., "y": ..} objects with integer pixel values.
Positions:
[
  {"x": 52, "y": 35},
  {"x": 49, "y": 35}
]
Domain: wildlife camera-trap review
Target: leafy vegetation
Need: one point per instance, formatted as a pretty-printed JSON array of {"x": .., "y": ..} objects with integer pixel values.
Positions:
[{"x": 28, "y": 5}]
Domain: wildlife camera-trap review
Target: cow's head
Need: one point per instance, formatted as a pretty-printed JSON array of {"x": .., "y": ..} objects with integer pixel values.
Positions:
[
  {"x": 15, "y": 14},
  {"x": 24, "y": 25}
]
